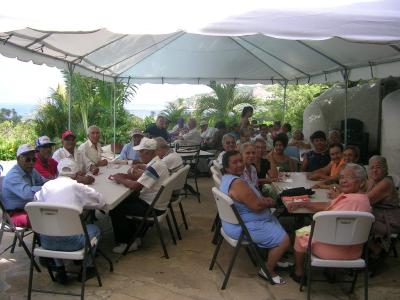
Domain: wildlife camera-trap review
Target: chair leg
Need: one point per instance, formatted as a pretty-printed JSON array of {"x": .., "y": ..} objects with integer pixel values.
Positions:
[
  {"x": 2, "y": 229},
  {"x": 309, "y": 281},
  {"x": 178, "y": 233},
  {"x": 353, "y": 282},
  {"x": 51, "y": 274},
  {"x": 183, "y": 215},
  {"x": 94, "y": 265},
  {"x": 14, "y": 242},
  {"x": 31, "y": 269},
  {"x": 160, "y": 235},
  {"x": 366, "y": 283},
  {"x": 107, "y": 259},
  {"x": 197, "y": 188},
  {"x": 232, "y": 262},
  {"x": 171, "y": 231},
  {"x": 216, "y": 219},
  {"x": 214, "y": 258},
  {"x": 216, "y": 233},
  {"x": 84, "y": 262},
  {"x": 27, "y": 250},
  {"x": 251, "y": 256}
]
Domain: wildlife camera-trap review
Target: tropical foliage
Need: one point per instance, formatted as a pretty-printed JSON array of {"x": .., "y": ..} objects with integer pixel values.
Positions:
[
  {"x": 224, "y": 104},
  {"x": 12, "y": 135},
  {"x": 175, "y": 110}
]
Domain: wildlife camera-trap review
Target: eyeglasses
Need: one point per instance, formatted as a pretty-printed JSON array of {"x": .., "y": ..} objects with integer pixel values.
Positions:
[
  {"x": 350, "y": 178},
  {"x": 47, "y": 146},
  {"x": 230, "y": 143},
  {"x": 29, "y": 159}
]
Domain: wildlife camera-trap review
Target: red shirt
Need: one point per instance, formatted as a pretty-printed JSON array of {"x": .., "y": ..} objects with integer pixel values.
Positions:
[{"x": 49, "y": 171}]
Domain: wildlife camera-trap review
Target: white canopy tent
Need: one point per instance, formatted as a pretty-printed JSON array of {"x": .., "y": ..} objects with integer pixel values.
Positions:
[{"x": 182, "y": 42}]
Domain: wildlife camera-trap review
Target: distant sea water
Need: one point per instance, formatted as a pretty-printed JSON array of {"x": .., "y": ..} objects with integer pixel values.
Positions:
[{"x": 26, "y": 109}]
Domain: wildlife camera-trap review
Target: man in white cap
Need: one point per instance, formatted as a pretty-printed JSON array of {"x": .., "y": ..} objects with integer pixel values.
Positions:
[
  {"x": 148, "y": 185},
  {"x": 20, "y": 185},
  {"x": 172, "y": 159},
  {"x": 206, "y": 132},
  {"x": 66, "y": 190},
  {"x": 45, "y": 165},
  {"x": 128, "y": 153}
]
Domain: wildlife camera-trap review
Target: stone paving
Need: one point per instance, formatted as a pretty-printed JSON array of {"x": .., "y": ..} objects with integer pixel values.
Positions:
[{"x": 145, "y": 274}]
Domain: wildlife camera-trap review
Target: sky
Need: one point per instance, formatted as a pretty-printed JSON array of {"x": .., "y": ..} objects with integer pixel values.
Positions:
[{"x": 27, "y": 83}]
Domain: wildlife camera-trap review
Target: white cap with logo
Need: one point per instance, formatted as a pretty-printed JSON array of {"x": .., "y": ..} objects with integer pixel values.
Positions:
[
  {"x": 146, "y": 143},
  {"x": 67, "y": 166},
  {"x": 25, "y": 148},
  {"x": 43, "y": 140}
]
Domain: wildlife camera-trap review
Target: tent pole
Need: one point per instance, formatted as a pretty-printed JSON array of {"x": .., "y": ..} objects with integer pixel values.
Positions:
[
  {"x": 114, "y": 117},
  {"x": 346, "y": 84},
  {"x": 284, "y": 102},
  {"x": 70, "y": 71}
]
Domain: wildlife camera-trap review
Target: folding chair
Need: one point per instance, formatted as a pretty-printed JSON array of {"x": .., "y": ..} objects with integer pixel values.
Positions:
[
  {"x": 217, "y": 222},
  {"x": 216, "y": 171},
  {"x": 344, "y": 228},
  {"x": 19, "y": 232},
  {"x": 150, "y": 218},
  {"x": 55, "y": 219},
  {"x": 217, "y": 165},
  {"x": 228, "y": 213},
  {"x": 192, "y": 154},
  {"x": 177, "y": 199}
]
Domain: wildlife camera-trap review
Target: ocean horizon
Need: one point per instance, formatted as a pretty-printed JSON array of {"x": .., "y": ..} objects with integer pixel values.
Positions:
[{"x": 26, "y": 109}]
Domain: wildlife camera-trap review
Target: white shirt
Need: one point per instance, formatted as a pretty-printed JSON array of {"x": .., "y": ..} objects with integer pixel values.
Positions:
[
  {"x": 62, "y": 153},
  {"x": 219, "y": 159},
  {"x": 191, "y": 138},
  {"x": 208, "y": 133},
  {"x": 173, "y": 161},
  {"x": 152, "y": 178},
  {"x": 67, "y": 191},
  {"x": 90, "y": 155}
]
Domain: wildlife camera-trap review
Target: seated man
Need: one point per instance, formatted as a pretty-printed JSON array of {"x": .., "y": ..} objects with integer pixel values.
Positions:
[
  {"x": 20, "y": 185},
  {"x": 158, "y": 129},
  {"x": 172, "y": 160},
  {"x": 128, "y": 153},
  {"x": 206, "y": 132},
  {"x": 319, "y": 156},
  {"x": 65, "y": 189},
  {"x": 149, "y": 183},
  {"x": 44, "y": 164},
  {"x": 69, "y": 150},
  {"x": 192, "y": 137},
  {"x": 91, "y": 151}
]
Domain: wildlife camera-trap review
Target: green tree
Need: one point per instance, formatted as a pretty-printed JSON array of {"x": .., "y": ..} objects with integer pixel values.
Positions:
[
  {"x": 175, "y": 110},
  {"x": 9, "y": 115},
  {"x": 224, "y": 101},
  {"x": 297, "y": 99}
]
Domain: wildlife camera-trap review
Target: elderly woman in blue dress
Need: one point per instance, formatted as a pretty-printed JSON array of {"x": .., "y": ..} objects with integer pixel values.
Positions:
[{"x": 264, "y": 228}]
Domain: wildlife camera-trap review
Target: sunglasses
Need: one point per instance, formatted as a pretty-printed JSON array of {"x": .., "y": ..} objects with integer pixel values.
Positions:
[
  {"x": 46, "y": 146},
  {"x": 29, "y": 159}
]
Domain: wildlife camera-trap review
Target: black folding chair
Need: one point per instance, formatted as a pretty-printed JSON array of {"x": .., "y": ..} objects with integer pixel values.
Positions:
[{"x": 190, "y": 156}]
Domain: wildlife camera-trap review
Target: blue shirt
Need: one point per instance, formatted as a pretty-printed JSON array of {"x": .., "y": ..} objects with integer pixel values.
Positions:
[
  {"x": 128, "y": 153},
  {"x": 19, "y": 187}
]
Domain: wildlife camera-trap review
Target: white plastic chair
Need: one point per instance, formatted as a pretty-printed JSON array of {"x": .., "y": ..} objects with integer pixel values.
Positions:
[
  {"x": 216, "y": 171},
  {"x": 344, "y": 228},
  {"x": 228, "y": 213},
  {"x": 150, "y": 218},
  {"x": 56, "y": 219},
  {"x": 177, "y": 198},
  {"x": 217, "y": 164}
]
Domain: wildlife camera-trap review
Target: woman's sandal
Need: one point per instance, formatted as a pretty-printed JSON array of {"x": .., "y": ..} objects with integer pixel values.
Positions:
[{"x": 275, "y": 280}]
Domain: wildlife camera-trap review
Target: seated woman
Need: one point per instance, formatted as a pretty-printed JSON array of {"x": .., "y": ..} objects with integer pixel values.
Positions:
[
  {"x": 279, "y": 161},
  {"x": 352, "y": 181},
  {"x": 248, "y": 152},
  {"x": 228, "y": 144},
  {"x": 261, "y": 162},
  {"x": 298, "y": 140},
  {"x": 329, "y": 174},
  {"x": 319, "y": 156},
  {"x": 384, "y": 199},
  {"x": 351, "y": 154},
  {"x": 264, "y": 228}
]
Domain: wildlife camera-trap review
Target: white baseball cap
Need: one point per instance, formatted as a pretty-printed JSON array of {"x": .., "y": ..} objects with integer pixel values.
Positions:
[
  {"x": 146, "y": 143},
  {"x": 67, "y": 166},
  {"x": 25, "y": 148},
  {"x": 43, "y": 140}
]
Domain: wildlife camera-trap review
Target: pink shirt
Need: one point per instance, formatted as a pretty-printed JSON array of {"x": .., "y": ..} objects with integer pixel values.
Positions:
[{"x": 344, "y": 202}]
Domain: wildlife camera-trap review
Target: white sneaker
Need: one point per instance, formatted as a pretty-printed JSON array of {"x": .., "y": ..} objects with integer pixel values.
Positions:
[{"x": 121, "y": 248}]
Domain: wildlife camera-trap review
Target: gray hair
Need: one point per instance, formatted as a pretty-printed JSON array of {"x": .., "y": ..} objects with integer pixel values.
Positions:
[
  {"x": 245, "y": 145},
  {"x": 261, "y": 140},
  {"x": 358, "y": 170},
  {"x": 226, "y": 136},
  {"x": 381, "y": 161},
  {"x": 161, "y": 142},
  {"x": 90, "y": 129}
]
